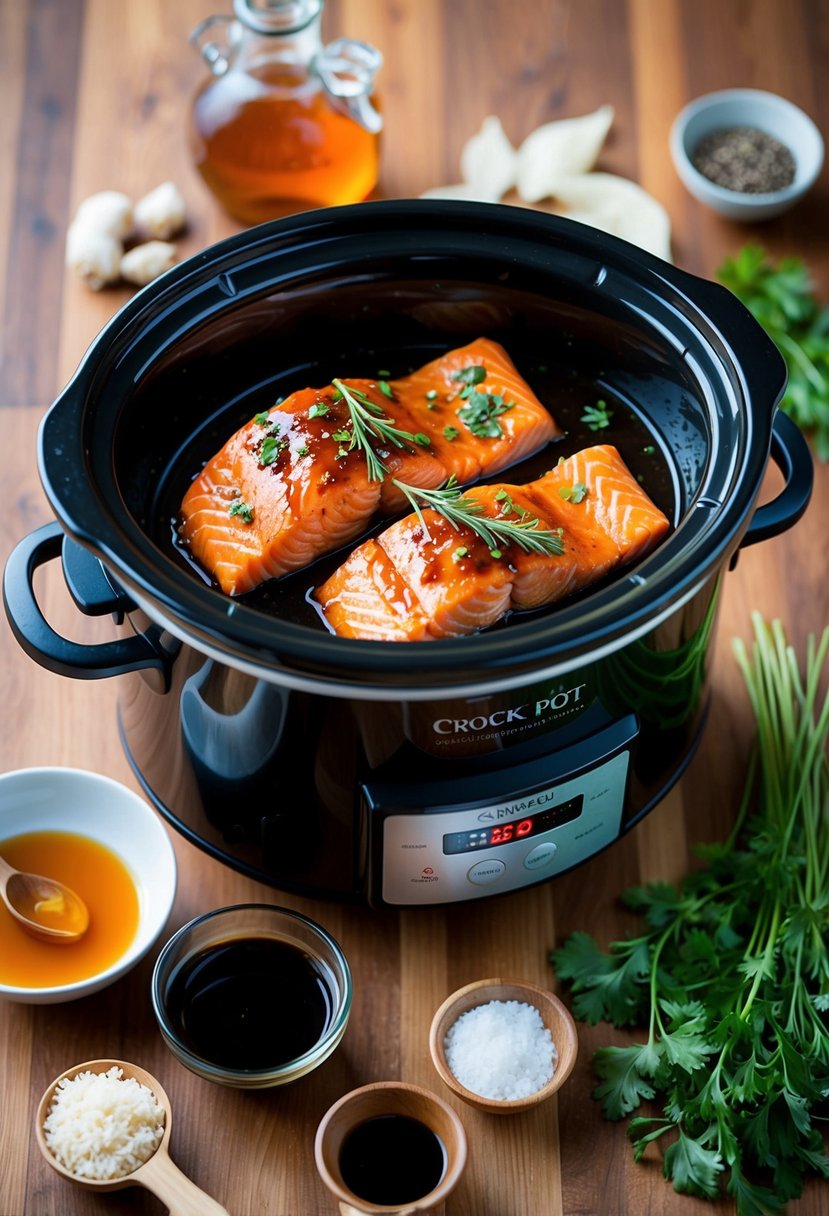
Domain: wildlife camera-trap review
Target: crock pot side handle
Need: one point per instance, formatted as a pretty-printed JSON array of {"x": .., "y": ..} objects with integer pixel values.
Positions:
[
  {"x": 790, "y": 452},
  {"x": 40, "y": 641}
]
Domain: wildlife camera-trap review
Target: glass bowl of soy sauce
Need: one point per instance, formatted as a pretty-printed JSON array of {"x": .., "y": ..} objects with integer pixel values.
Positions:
[{"x": 251, "y": 996}]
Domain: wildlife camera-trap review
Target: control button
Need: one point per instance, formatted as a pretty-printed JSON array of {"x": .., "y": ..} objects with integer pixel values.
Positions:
[
  {"x": 540, "y": 856},
  {"x": 486, "y": 871}
]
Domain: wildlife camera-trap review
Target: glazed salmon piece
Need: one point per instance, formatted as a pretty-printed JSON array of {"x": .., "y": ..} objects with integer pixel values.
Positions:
[
  {"x": 604, "y": 517},
  {"x": 286, "y": 489},
  {"x": 459, "y": 586},
  {"x": 615, "y": 512},
  {"x": 433, "y": 396},
  {"x": 366, "y": 597},
  {"x": 246, "y": 521}
]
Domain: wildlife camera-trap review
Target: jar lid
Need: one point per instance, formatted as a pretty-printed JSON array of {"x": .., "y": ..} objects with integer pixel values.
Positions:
[{"x": 277, "y": 16}]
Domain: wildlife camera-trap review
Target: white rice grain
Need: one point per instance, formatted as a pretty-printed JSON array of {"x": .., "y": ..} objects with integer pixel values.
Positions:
[{"x": 103, "y": 1125}]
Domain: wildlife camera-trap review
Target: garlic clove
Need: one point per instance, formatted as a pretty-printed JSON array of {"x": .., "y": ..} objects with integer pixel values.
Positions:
[
  {"x": 143, "y": 263},
  {"x": 618, "y": 206},
  {"x": 109, "y": 211},
  {"x": 93, "y": 254},
  {"x": 565, "y": 148},
  {"x": 488, "y": 161},
  {"x": 161, "y": 213}
]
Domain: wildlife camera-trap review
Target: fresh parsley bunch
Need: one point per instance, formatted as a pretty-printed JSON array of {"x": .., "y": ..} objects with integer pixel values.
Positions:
[
  {"x": 731, "y": 973},
  {"x": 782, "y": 299}
]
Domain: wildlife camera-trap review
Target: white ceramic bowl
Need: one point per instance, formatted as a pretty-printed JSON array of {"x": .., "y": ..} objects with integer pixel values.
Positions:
[
  {"x": 746, "y": 108},
  {"x": 91, "y": 805}
]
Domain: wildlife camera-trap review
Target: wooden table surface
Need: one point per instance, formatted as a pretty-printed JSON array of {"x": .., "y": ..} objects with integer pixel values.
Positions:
[{"x": 94, "y": 95}]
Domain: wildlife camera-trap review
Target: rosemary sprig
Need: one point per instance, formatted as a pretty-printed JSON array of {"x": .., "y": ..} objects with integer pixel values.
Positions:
[
  {"x": 462, "y": 512},
  {"x": 369, "y": 423}
]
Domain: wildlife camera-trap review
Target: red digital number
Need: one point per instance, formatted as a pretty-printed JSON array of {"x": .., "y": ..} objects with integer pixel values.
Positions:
[
  {"x": 503, "y": 834},
  {"x": 524, "y": 827}
]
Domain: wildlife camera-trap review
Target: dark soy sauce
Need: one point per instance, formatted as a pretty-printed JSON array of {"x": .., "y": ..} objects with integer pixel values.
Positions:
[
  {"x": 392, "y": 1159},
  {"x": 250, "y": 1003}
]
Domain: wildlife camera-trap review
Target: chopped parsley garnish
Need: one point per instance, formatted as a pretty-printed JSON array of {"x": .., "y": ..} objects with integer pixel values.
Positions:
[
  {"x": 320, "y": 409},
  {"x": 270, "y": 448},
  {"x": 462, "y": 512},
  {"x": 383, "y": 375},
  {"x": 597, "y": 417},
  {"x": 460, "y": 553},
  {"x": 474, "y": 374},
  {"x": 263, "y": 419},
  {"x": 240, "y": 507},
  {"x": 368, "y": 424},
  {"x": 386, "y": 389},
  {"x": 303, "y": 451},
  {"x": 649, "y": 449},
  {"x": 576, "y": 493},
  {"x": 507, "y": 506},
  {"x": 450, "y": 433},
  {"x": 432, "y": 394},
  {"x": 481, "y": 411},
  {"x": 342, "y": 436}
]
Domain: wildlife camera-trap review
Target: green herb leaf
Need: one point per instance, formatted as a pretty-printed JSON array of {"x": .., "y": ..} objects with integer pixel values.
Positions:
[
  {"x": 481, "y": 412},
  {"x": 474, "y": 374},
  {"x": 385, "y": 388},
  {"x": 262, "y": 419},
  {"x": 270, "y": 448},
  {"x": 782, "y": 299},
  {"x": 731, "y": 974},
  {"x": 694, "y": 1169},
  {"x": 450, "y": 433},
  {"x": 369, "y": 425},
  {"x": 575, "y": 493},
  {"x": 597, "y": 417},
  {"x": 240, "y": 507},
  {"x": 622, "y": 1086},
  {"x": 320, "y": 409}
]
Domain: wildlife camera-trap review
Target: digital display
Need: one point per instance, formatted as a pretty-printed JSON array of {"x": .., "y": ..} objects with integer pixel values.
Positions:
[{"x": 509, "y": 831}]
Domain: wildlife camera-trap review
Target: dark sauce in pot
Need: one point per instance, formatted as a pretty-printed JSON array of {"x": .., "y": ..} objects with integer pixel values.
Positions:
[
  {"x": 249, "y": 1003},
  {"x": 568, "y": 393}
]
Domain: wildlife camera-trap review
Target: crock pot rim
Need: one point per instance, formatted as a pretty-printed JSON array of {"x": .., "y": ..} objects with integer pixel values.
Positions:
[{"x": 235, "y": 628}]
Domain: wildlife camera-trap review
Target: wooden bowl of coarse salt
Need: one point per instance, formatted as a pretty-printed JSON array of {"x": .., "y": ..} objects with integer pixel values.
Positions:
[{"x": 503, "y": 1045}]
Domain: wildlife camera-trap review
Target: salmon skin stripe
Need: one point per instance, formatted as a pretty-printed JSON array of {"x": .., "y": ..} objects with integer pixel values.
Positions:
[
  {"x": 288, "y": 487},
  {"x": 422, "y": 578}
]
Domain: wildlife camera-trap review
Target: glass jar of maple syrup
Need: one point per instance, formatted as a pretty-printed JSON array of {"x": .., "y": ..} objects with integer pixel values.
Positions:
[{"x": 283, "y": 123}]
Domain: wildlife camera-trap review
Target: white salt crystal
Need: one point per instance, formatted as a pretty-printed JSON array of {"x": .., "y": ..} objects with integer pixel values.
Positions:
[{"x": 501, "y": 1050}]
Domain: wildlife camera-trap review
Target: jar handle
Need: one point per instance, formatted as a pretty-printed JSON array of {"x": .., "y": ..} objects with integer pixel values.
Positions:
[
  {"x": 347, "y": 69},
  {"x": 213, "y": 55}
]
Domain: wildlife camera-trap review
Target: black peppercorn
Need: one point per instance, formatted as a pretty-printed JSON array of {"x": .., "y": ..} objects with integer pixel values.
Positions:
[{"x": 744, "y": 159}]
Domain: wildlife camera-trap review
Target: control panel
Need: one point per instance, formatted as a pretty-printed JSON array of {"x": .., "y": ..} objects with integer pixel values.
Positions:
[{"x": 448, "y": 854}]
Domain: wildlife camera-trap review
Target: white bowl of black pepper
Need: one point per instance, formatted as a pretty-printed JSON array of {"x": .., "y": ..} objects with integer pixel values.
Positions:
[{"x": 745, "y": 153}]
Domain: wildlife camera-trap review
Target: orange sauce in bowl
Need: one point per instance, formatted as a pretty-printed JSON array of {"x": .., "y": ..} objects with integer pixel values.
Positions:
[{"x": 105, "y": 885}]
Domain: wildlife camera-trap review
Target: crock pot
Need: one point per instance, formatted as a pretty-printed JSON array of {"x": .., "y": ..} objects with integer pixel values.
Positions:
[{"x": 425, "y": 773}]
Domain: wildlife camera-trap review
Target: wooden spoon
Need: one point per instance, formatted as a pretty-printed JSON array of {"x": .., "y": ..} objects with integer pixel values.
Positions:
[
  {"x": 46, "y": 908},
  {"x": 159, "y": 1174}
]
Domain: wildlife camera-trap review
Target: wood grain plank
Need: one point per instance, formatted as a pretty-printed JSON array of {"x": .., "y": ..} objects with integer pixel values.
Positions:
[{"x": 41, "y": 115}]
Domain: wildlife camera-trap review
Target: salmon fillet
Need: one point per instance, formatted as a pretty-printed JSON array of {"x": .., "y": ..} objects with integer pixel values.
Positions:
[
  {"x": 453, "y": 584},
  {"x": 285, "y": 489}
]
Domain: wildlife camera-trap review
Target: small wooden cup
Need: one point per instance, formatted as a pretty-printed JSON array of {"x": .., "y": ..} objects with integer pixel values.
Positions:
[
  {"x": 388, "y": 1098},
  {"x": 555, "y": 1016}
]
